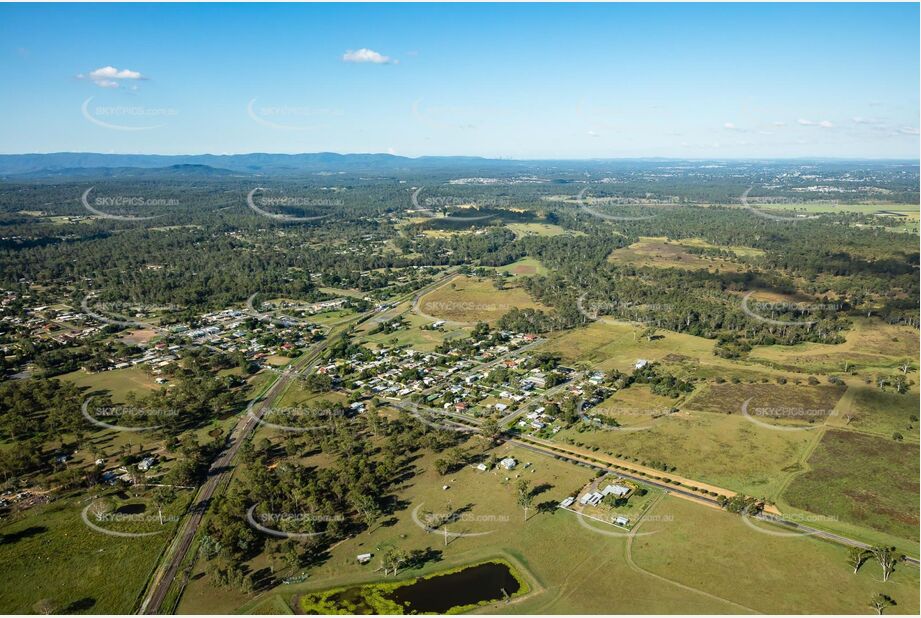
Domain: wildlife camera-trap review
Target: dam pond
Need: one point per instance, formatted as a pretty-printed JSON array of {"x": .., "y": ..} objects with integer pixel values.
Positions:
[{"x": 439, "y": 593}]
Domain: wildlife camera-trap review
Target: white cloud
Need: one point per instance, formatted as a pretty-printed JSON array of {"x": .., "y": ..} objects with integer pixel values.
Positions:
[
  {"x": 110, "y": 77},
  {"x": 367, "y": 55},
  {"x": 779, "y": 123},
  {"x": 113, "y": 73},
  {"x": 593, "y": 134},
  {"x": 909, "y": 131},
  {"x": 730, "y": 126},
  {"x": 825, "y": 124}
]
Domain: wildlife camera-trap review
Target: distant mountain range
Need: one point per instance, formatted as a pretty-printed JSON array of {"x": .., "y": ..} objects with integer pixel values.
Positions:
[
  {"x": 69, "y": 164},
  {"x": 97, "y": 165}
]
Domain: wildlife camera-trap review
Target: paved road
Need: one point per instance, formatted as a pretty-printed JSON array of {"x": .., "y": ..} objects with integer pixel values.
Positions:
[
  {"x": 220, "y": 470},
  {"x": 223, "y": 466},
  {"x": 830, "y": 536}
]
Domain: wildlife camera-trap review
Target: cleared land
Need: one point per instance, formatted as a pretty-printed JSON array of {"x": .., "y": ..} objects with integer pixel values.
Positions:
[
  {"x": 613, "y": 344},
  {"x": 718, "y": 552},
  {"x": 51, "y": 554},
  {"x": 469, "y": 300},
  {"x": 725, "y": 450},
  {"x": 870, "y": 345},
  {"x": 860, "y": 479},
  {"x": 536, "y": 229},
  {"x": 803, "y": 403},
  {"x": 525, "y": 267},
  {"x": 118, "y": 382},
  {"x": 424, "y": 340},
  {"x": 868, "y": 409},
  {"x": 663, "y": 253}
]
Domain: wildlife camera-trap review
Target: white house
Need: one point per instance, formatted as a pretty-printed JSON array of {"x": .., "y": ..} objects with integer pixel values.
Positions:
[{"x": 619, "y": 491}]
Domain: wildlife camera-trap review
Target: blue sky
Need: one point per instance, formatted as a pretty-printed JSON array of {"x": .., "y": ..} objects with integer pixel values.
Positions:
[{"x": 521, "y": 81}]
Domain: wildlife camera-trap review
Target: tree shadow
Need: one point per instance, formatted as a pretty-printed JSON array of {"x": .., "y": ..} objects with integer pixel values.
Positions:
[
  {"x": 80, "y": 605},
  {"x": 25, "y": 533}
]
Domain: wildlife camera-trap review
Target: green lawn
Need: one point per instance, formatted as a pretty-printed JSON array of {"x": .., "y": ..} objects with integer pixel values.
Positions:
[{"x": 413, "y": 335}]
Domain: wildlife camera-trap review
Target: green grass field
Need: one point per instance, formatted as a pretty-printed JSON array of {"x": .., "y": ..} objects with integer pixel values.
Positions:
[
  {"x": 118, "y": 382},
  {"x": 717, "y": 552},
  {"x": 725, "y": 450},
  {"x": 613, "y": 344},
  {"x": 414, "y": 336},
  {"x": 51, "y": 554},
  {"x": 525, "y": 267},
  {"x": 868, "y": 409},
  {"x": 773, "y": 403},
  {"x": 663, "y": 253},
  {"x": 471, "y": 300},
  {"x": 863, "y": 480},
  {"x": 536, "y": 229},
  {"x": 870, "y": 345}
]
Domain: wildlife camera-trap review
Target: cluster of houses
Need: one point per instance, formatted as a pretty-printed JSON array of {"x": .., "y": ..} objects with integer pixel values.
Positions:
[
  {"x": 594, "y": 498},
  {"x": 63, "y": 326},
  {"x": 227, "y": 330}
]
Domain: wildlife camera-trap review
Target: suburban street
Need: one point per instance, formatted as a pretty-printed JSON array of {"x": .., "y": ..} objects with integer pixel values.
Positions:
[{"x": 222, "y": 468}]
